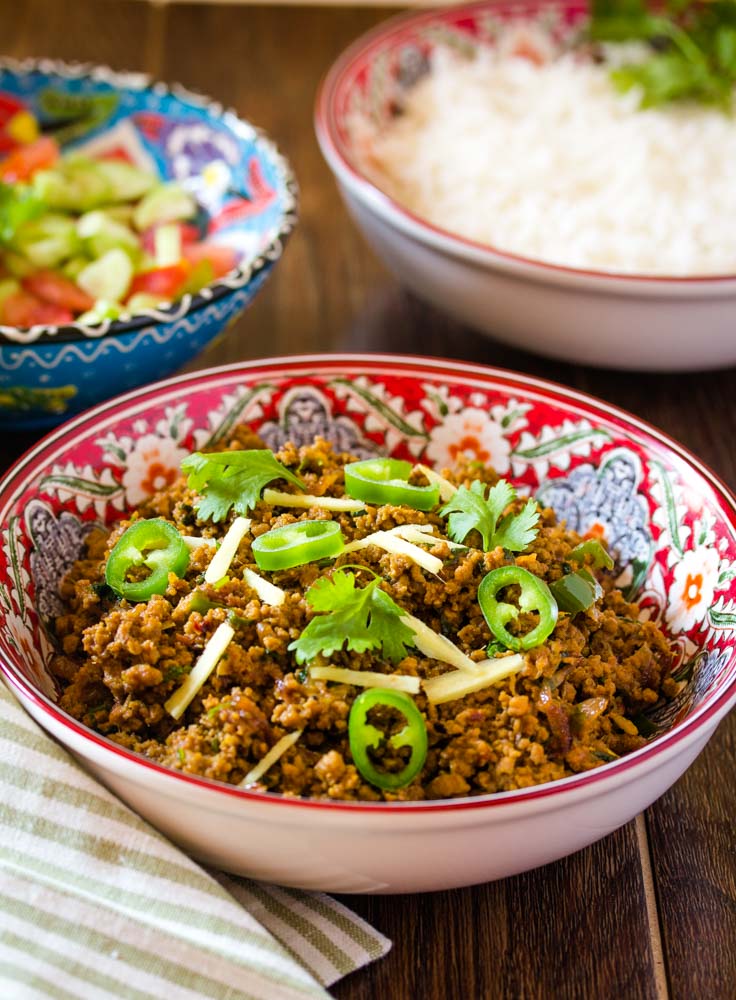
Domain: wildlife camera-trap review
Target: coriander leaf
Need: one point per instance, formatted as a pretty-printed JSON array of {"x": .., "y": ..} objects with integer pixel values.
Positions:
[
  {"x": 725, "y": 48},
  {"x": 226, "y": 479},
  {"x": 517, "y": 531},
  {"x": 470, "y": 509},
  {"x": 693, "y": 49},
  {"x": 500, "y": 495},
  {"x": 364, "y": 618},
  {"x": 620, "y": 20}
]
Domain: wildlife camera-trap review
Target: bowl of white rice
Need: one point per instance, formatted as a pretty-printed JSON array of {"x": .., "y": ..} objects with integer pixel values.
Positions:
[{"x": 497, "y": 171}]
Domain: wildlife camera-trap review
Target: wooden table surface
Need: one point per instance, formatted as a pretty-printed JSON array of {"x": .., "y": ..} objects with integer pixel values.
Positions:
[{"x": 650, "y": 911}]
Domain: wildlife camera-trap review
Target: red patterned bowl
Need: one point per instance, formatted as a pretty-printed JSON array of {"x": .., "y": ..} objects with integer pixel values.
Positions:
[
  {"x": 671, "y": 523},
  {"x": 586, "y": 316}
]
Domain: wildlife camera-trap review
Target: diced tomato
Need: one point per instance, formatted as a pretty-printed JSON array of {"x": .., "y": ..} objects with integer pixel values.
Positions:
[
  {"x": 118, "y": 153},
  {"x": 189, "y": 234},
  {"x": 58, "y": 290},
  {"x": 163, "y": 281},
  {"x": 223, "y": 259},
  {"x": 24, "y": 161},
  {"x": 23, "y": 309}
]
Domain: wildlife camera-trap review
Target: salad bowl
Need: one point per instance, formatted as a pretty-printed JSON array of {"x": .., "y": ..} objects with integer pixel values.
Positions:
[
  {"x": 669, "y": 522},
  {"x": 246, "y": 197},
  {"x": 585, "y": 316}
]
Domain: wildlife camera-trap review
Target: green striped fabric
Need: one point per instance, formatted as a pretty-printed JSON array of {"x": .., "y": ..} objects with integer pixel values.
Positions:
[{"x": 94, "y": 903}]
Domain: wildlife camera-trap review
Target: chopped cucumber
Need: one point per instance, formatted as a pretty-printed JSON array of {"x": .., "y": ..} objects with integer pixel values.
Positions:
[
  {"x": 121, "y": 213},
  {"x": 142, "y": 301},
  {"x": 167, "y": 244},
  {"x": 8, "y": 287},
  {"x": 108, "y": 277},
  {"x": 47, "y": 241},
  {"x": 99, "y": 233},
  {"x": 127, "y": 183},
  {"x": 165, "y": 203},
  {"x": 76, "y": 185},
  {"x": 101, "y": 310},
  {"x": 98, "y": 223},
  {"x": 73, "y": 267}
]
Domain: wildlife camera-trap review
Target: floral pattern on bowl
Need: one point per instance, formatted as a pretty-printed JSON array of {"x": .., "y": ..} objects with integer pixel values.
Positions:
[
  {"x": 374, "y": 89},
  {"x": 670, "y": 526}
]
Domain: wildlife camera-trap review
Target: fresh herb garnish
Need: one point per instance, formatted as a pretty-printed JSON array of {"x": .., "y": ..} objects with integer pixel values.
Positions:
[
  {"x": 470, "y": 509},
  {"x": 233, "y": 479},
  {"x": 364, "y": 618},
  {"x": 693, "y": 55},
  {"x": 171, "y": 673}
]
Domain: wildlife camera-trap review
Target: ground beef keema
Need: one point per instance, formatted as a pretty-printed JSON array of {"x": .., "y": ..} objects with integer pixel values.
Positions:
[{"x": 572, "y": 707}]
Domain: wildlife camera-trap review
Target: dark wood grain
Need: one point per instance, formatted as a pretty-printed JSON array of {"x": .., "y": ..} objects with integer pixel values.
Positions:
[
  {"x": 268, "y": 67},
  {"x": 544, "y": 934},
  {"x": 577, "y": 929},
  {"x": 692, "y": 836},
  {"x": 111, "y": 34}
]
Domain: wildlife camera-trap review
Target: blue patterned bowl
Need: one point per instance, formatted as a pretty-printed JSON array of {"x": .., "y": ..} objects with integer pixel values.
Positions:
[{"x": 239, "y": 178}]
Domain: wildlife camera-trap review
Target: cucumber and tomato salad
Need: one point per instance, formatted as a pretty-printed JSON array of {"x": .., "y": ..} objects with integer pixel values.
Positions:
[{"x": 93, "y": 239}]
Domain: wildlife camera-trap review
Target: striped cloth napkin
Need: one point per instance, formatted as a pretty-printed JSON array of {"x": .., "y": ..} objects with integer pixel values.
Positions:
[{"x": 95, "y": 904}]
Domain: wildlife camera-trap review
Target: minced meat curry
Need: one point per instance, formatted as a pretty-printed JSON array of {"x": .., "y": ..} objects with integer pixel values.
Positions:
[{"x": 262, "y": 672}]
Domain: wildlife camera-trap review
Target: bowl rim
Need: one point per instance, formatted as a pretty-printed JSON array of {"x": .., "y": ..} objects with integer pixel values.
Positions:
[
  {"x": 335, "y": 151},
  {"x": 689, "y": 728},
  {"x": 239, "y": 277}
]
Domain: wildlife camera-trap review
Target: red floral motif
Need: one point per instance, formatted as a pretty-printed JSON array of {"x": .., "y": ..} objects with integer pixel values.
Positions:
[
  {"x": 467, "y": 447},
  {"x": 158, "y": 478}
]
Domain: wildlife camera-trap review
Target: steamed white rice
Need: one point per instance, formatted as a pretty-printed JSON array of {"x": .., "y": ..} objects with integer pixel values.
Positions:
[{"x": 551, "y": 162}]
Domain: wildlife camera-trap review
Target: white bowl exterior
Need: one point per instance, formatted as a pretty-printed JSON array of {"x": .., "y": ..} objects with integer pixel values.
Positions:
[
  {"x": 374, "y": 851},
  {"x": 654, "y": 328}
]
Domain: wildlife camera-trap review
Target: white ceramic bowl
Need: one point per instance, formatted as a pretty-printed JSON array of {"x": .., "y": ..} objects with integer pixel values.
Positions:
[
  {"x": 671, "y": 522},
  {"x": 589, "y": 317}
]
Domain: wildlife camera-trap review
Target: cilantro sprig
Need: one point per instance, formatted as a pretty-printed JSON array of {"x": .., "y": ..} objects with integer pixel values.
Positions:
[
  {"x": 232, "y": 479},
  {"x": 363, "y": 617},
  {"x": 693, "y": 55},
  {"x": 471, "y": 510}
]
